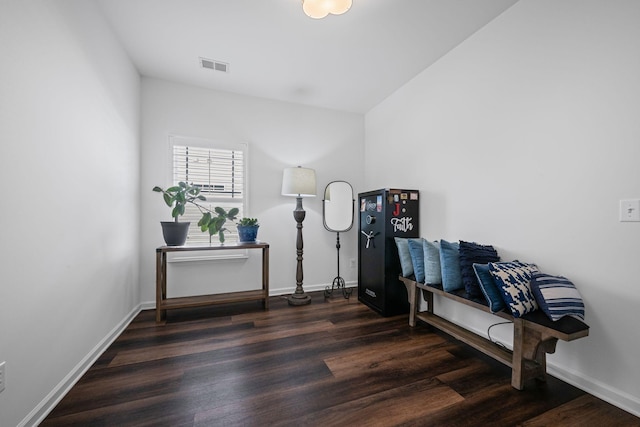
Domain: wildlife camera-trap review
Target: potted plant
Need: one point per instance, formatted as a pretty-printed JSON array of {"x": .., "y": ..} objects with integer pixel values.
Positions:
[
  {"x": 248, "y": 229},
  {"x": 177, "y": 197}
]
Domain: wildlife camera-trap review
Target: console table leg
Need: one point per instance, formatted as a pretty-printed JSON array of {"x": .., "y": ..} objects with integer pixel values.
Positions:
[
  {"x": 161, "y": 284},
  {"x": 265, "y": 276}
]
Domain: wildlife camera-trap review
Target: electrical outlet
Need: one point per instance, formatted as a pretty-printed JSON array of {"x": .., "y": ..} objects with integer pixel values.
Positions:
[
  {"x": 629, "y": 210},
  {"x": 2, "y": 381}
]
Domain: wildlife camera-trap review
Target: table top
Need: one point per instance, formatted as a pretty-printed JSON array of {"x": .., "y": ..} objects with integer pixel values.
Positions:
[{"x": 233, "y": 245}]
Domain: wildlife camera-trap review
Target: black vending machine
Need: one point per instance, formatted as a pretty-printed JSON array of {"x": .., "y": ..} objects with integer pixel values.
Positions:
[{"x": 384, "y": 214}]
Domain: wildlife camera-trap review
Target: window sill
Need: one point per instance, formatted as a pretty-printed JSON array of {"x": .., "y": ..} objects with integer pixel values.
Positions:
[{"x": 240, "y": 254}]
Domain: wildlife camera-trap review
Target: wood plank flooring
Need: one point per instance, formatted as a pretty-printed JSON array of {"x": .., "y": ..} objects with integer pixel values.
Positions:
[{"x": 332, "y": 363}]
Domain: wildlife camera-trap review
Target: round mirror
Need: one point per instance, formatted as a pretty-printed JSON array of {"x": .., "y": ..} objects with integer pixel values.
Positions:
[{"x": 337, "y": 208}]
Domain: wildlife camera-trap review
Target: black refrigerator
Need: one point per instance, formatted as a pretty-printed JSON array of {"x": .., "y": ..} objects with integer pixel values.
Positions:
[{"x": 384, "y": 214}]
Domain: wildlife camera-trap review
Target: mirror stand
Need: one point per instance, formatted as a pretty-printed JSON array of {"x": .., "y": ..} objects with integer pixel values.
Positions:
[
  {"x": 337, "y": 213},
  {"x": 338, "y": 281}
]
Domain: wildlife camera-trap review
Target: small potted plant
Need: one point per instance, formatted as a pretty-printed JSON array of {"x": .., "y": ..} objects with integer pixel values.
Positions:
[
  {"x": 177, "y": 197},
  {"x": 248, "y": 229}
]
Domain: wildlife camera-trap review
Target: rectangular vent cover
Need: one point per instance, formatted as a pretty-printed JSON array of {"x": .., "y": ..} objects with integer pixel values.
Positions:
[{"x": 212, "y": 64}]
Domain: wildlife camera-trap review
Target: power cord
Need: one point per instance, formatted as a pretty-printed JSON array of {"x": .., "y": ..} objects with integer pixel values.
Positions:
[{"x": 498, "y": 343}]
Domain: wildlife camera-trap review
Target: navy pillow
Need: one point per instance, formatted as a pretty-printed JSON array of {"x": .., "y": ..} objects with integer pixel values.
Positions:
[
  {"x": 406, "y": 264},
  {"x": 450, "y": 263},
  {"x": 557, "y": 296},
  {"x": 471, "y": 253},
  {"x": 432, "y": 268},
  {"x": 417, "y": 258},
  {"x": 513, "y": 279},
  {"x": 489, "y": 288}
]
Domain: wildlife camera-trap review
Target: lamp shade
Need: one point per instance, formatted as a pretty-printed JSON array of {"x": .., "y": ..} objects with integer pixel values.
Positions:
[{"x": 299, "y": 182}]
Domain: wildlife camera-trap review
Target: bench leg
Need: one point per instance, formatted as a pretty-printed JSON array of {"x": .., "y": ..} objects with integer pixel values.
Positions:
[
  {"x": 414, "y": 302},
  {"x": 530, "y": 350}
]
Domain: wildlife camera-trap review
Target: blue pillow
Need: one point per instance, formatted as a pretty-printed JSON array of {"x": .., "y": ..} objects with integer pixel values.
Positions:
[
  {"x": 417, "y": 258},
  {"x": 471, "y": 253},
  {"x": 450, "y": 263},
  {"x": 405, "y": 257},
  {"x": 432, "y": 269},
  {"x": 557, "y": 296},
  {"x": 489, "y": 288},
  {"x": 513, "y": 279}
]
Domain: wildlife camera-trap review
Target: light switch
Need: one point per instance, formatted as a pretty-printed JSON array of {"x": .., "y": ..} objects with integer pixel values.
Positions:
[{"x": 630, "y": 210}]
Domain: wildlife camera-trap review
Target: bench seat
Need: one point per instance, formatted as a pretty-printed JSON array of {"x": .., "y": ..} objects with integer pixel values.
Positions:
[{"x": 534, "y": 334}]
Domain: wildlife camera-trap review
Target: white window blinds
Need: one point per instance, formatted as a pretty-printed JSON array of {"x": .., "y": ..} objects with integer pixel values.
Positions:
[{"x": 220, "y": 175}]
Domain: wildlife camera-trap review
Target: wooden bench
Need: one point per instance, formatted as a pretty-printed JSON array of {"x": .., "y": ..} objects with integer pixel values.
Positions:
[{"x": 534, "y": 334}]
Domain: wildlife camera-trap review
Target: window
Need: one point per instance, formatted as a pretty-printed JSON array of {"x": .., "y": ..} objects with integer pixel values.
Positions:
[{"x": 218, "y": 169}]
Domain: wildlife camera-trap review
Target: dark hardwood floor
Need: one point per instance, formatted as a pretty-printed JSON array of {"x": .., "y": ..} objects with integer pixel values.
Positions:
[{"x": 331, "y": 363}]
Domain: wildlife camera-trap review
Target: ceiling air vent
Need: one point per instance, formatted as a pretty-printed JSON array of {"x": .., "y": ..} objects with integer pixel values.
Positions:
[{"x": 212, "y": 64}]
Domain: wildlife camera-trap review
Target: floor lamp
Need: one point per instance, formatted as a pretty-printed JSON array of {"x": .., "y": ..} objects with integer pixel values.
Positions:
[{"x": 299, "y": 182}]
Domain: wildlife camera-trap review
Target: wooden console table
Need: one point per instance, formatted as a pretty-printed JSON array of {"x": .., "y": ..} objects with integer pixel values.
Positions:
[{"x": 163, "y": 303}]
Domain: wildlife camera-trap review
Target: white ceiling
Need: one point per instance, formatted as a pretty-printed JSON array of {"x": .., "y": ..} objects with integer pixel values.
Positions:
[{"x": 349, "y": 62}]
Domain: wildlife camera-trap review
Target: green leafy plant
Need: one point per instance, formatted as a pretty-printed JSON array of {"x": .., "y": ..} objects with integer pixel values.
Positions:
[
  {"x": 212, "y": 221},
  {"x": 248, "y": 222},
  {"x": 215, "y": 224},
  {"x": 178, "y": 196}
]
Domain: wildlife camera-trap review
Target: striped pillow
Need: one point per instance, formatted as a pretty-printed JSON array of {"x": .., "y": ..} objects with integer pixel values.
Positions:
[{"x": 557, "y": 296}]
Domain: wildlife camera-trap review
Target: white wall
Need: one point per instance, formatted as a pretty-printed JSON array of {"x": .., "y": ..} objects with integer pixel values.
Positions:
[
  {"x": 69, "y": 117},
  {"x": 279, "y": 135},
  {"x": 526, "y": 136}
]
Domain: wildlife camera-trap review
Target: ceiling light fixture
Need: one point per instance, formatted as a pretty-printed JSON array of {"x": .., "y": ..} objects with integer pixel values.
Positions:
[{"x": 318, "y": 9}]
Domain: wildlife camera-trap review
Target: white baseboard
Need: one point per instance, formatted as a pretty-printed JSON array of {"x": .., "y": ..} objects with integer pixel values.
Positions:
[
  {"x": 40, "y": 412},
  {"x": 150, "y": 305},
  {"x": 307, "y": 288},
  {"x": 597, "y": 388}
]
